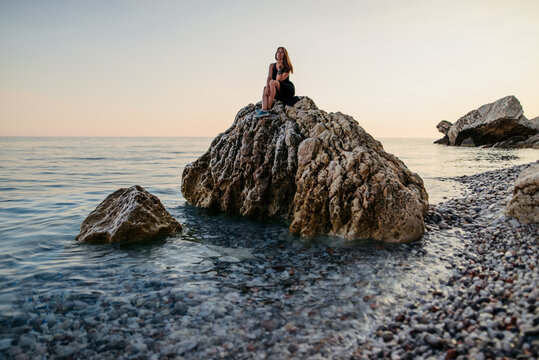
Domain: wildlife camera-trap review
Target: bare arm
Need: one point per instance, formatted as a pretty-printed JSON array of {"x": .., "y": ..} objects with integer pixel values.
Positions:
[
  {"x": 281, "y": 76},
  {"x": 267, "y": 88},
  {"x": 270, "y": 71}
]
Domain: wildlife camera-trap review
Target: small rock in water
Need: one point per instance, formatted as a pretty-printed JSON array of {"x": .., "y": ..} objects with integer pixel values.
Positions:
[{"x": 128, "y": 215}]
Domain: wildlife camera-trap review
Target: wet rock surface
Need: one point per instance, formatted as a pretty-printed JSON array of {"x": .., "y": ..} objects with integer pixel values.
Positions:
[
  {"x": 320, "y": 172},
  {"x": 498, "y": 124},
  {"x": 467, "y": 290},
  {"x": 128, "y": 215}
]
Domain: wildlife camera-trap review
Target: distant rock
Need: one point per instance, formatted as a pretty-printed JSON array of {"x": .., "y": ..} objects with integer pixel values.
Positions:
[
  {"x": 501, "y": 124},
  {"x": 443, "y": 127},
  {"x": 520, "y": 142},
  {"x": 128, "y": 215},
  {"x": 525, "y": 202},
  {"x": 442, "y": 141},
  {"x": 320, "y": 172}
]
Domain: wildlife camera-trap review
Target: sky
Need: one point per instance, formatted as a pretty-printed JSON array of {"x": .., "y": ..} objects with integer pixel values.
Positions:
[{"x": 185, "y": 68}]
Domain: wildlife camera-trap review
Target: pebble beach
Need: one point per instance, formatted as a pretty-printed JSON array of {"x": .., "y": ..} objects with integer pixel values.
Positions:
[
  {"x": 468, "y": 289},
  {"x": 487, "y": 307}
]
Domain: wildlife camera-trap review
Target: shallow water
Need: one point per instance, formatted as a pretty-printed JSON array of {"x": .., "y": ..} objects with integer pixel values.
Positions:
[{"x": 49, "y": 185}]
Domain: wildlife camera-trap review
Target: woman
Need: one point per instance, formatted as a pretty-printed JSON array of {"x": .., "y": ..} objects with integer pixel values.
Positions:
[{"x": 278, "y": 85}]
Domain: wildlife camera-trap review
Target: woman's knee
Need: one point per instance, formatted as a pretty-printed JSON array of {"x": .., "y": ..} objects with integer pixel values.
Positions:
[{"x": 274, "y": 85}]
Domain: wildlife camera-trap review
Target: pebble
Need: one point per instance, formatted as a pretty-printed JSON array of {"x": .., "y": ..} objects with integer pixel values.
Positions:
[
  {"x": 386, "y": 335},
  {"x": 65, "y": 351},
  {"x": 28, "y": 342},
  {"x": 433, "y": 340},
  {"x": 514, "y": 223},
  {"x": 5, "y": 343}
]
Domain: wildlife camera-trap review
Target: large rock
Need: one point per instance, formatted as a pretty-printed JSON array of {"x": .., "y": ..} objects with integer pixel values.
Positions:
[
  {"x": 525, "y": 202},
  {"x": 493, "y": 123},
  {"x": 128, "y": 215},
  {"x": 319, "y": 171}
]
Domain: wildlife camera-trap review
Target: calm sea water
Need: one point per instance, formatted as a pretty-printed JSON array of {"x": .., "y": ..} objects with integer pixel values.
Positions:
[{"x": 49, "y": 185}]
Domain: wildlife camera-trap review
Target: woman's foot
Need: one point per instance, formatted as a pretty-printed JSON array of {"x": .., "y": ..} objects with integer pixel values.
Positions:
[{"x": 262, "y": 113}]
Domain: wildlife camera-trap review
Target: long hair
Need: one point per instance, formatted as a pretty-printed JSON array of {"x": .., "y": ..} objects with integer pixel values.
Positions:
[{"x": 286, "y": 61}]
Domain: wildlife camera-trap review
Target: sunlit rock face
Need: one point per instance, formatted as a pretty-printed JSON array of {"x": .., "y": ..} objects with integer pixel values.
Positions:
[
  {"x": 321, "y": 172},
  {"x": 495, "y": 124},
  {"x": 525, "y": 202},
  {"x": 128, "y": 215}
]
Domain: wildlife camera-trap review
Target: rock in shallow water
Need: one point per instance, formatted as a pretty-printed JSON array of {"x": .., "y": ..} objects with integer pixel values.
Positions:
[
  {"x": 128, "y": 215},
  {"x": 320, "y": 171},
  {"x": 492, "y": 124}
]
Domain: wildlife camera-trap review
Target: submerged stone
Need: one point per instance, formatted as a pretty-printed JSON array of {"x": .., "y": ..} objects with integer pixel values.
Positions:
[
  {"x": 321, "y": 172},
  {"x": 128, "y": 215}
]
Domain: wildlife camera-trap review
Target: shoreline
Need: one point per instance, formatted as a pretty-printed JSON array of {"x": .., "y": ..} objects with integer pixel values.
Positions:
[
  {"x": 463, "y": 291},
  {"x": 487, "y": 308}
]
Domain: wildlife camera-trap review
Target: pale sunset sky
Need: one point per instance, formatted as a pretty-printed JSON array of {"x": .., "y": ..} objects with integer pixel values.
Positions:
[{"x": 184, "y": 68}]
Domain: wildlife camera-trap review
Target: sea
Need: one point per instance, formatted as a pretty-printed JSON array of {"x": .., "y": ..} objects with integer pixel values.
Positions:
[{"x": 48, "y": 185}]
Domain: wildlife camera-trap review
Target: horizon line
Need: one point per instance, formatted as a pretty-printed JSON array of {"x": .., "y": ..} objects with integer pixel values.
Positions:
[{"x": 162, "y": 136}]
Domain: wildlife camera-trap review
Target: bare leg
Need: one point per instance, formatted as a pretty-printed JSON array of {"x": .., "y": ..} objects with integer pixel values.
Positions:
[
  {"x": 265, "y": 99},
  {"x": 275, "y": 86}
]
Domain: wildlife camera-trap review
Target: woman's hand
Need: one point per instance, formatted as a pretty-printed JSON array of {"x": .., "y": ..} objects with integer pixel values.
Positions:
[{"x": 281, "y": 75}]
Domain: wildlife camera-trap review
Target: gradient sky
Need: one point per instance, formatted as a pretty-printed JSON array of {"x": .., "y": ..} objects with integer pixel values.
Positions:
[{"x": 184, "y": 68}]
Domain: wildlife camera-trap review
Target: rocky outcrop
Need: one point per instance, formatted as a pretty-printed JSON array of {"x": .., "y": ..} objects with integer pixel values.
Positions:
[
  {"x": 525, "y": 202},
  {"x": 520, "y": 142},
  {"x": 501, "y": 123},
  {"x": 128, "y": 215},
  {"x": 321, "y": 172},
  {"x": 443, "y": 127}
]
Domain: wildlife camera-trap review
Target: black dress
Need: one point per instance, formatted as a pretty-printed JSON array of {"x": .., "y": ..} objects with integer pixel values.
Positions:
[{"x": 287, "y": 91}]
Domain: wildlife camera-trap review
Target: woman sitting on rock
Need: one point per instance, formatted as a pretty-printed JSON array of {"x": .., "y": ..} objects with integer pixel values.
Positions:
[{"x": 278, "y": 85}]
